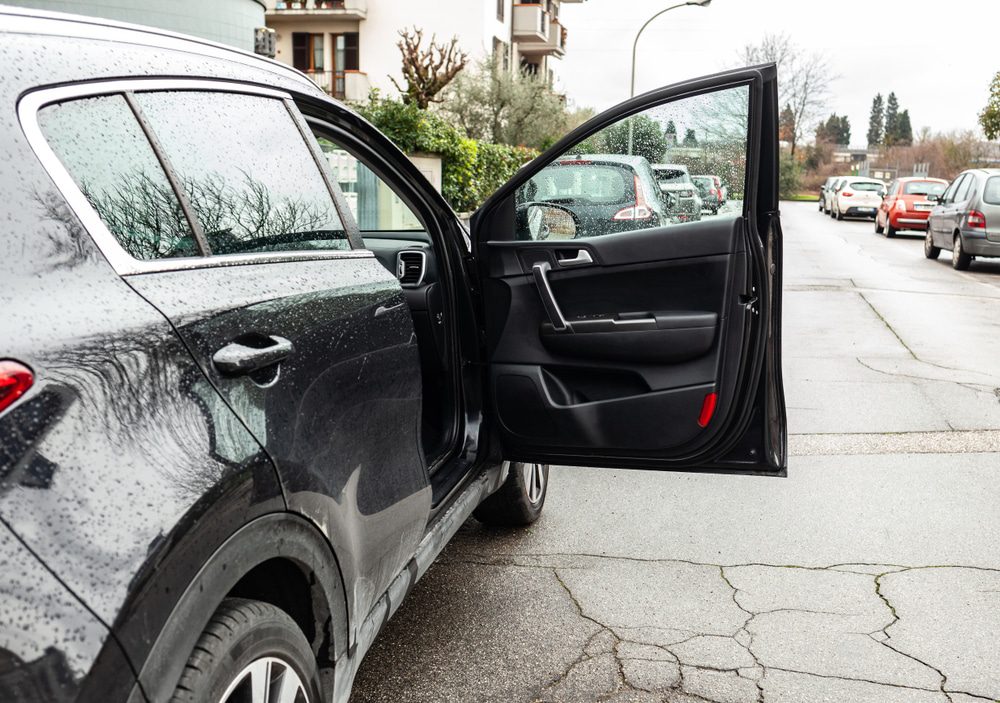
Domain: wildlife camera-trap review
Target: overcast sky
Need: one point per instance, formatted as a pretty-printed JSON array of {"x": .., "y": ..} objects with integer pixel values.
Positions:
[{"x": 939, "y": 57}]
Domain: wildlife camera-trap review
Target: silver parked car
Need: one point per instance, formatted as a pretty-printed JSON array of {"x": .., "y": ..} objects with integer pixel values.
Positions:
[
  {"x": 675, "y": 180},
  {"x": 966, "y": 218}
]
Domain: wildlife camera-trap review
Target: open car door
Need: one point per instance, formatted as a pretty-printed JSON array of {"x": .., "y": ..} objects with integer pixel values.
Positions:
[{"x": 626, "y": 325}]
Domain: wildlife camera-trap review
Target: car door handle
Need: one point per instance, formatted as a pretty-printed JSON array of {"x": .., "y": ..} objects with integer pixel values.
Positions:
[
  {"x": 540, "y": 273},
  {"x": 236, "y": 359},
  {"x": 582, "y": 257}
]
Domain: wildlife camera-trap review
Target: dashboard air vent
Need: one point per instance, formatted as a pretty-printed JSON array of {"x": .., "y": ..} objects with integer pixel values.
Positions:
[{"x": 410, "y": 266}]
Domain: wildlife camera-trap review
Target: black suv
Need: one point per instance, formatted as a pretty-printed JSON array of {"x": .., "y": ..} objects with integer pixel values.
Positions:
[{"x": 254, "y": 374}]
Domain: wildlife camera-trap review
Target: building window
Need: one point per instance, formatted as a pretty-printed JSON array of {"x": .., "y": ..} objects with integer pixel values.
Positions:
[
  {"x": 307, "y": 52},
  {"x": 345, "y": 52},
  {"x": 501, "y": 53},
  {"x": 500, "y": 9}
]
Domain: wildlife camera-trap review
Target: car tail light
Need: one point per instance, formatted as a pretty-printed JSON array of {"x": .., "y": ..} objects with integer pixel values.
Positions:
[
  {"x": 713, "y": 191},
  {"x": 15, "y": 380},
  {"x": 707, "y": 409},
  {"x": 639, "y": 211},
  {"x": 847, "y": 193},
  {"x": 976, "y": 219},
  {"x": 900, "y": 205}
]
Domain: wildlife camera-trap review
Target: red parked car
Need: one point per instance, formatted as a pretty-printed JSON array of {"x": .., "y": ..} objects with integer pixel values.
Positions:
[{"x": 906, "y": 205}]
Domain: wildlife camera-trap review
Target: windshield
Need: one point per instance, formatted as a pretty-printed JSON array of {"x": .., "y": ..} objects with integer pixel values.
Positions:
[
  {"x": 924, "y": 188},
  {"x": 672, "y": 175},
  {"x": 865, "y": 185},
  {"x": 593, "y": 183}
]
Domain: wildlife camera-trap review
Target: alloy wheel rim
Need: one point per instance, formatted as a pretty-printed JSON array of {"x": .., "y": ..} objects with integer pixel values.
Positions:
[
  {"x": 956, "y": 251},
  {"x": 266, "y": 680},
  {"x": 534, "y": 481}
]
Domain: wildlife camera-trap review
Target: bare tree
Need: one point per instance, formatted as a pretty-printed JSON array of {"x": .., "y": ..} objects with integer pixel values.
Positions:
[
  {"x": 427, "y": 71},
  {"x": 804, "y": 79}
]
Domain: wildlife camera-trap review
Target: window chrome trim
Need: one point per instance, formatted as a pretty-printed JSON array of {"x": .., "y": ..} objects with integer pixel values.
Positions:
[{"x": 28, "y": 108}]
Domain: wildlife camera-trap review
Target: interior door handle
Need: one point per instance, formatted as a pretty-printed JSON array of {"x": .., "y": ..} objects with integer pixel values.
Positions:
[
  {"x": 236, "y": 359},
  {"x": 582, "y": 257},
  {"x": 540, "y": 273}
]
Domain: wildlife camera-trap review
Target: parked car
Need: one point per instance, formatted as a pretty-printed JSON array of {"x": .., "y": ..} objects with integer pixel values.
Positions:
[
  {"x": 965, "y": 219},
  {"x": 823, "y": 189},
  {"x": 710, "y": 192},
  {"x": 830, "y": 193},
  {"x": 906, "y": 206},
  {"x": 618, "y": 193},
  {"x": 241, "y": 413},
  {"x": 675, "y": 180},
  {"x": 857, "y": 197}
]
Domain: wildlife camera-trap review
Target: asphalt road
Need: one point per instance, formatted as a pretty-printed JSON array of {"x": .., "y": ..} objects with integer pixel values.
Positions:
[{"x": 871, "y": 573}]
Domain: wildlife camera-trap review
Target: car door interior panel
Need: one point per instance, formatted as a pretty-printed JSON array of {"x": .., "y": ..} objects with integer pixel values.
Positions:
[{"x": 640, "y": 342}]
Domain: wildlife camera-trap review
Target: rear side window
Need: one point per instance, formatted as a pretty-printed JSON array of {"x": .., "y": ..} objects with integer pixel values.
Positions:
[
  {"x": 967, "y": 187},
  {"x": 104, "y": 149},
  {"x": 246, "y": 170},
  {"x": 991, "y": 193},
  {"x": 866, "y": 186}
]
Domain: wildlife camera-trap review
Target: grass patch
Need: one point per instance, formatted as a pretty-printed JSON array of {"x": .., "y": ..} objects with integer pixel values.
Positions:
[{"x": 803, "y": 198}]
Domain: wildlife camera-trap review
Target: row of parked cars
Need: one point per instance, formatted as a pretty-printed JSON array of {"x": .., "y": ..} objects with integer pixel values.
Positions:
[{"x": 962, "y": 216}]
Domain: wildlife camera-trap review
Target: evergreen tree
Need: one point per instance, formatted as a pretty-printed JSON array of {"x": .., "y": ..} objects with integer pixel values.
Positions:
[
  {"x": 690, "y": 139},
  {"x": 786, "y": 124},
  {"x": 836, "y": 130},
  {"x": 670, "y": 132},
  {"x": 989, "y": 118},
  {"x": 891, "y": 120},
  {"x": 876, "y": 123},
  {"x": 844, "y": 131},
  {"x": 904, "y": 131}
]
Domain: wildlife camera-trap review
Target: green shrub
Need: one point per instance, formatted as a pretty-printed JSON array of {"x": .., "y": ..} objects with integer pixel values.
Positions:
[{"x": 470, "y": 171}]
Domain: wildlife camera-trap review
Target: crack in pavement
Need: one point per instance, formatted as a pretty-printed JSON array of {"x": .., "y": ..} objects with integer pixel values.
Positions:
[{"x": 620, "y": 645}]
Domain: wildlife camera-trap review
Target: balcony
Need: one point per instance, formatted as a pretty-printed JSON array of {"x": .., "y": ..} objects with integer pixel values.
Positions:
[
  {"x": 352, "y": 86},
  {"x": 554, "y": 45},
  {"x": 326, "y": 9},
  {"x": 531, "y": 24}
]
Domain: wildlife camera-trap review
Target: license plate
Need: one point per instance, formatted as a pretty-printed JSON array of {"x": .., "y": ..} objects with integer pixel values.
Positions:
[
  {"x": 922, "y": 206},
  {"x": 866, "y": 209}
]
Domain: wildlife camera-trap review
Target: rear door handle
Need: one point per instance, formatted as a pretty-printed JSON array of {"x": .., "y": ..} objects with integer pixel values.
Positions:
[{"x": 236, "y": 359}]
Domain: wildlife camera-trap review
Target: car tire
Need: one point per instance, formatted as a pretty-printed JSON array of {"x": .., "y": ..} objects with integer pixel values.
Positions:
[
  {"x": 890, "y": 231},
  {"x": 243, "y": 640},
  {"x": 520, "y": 499},
  {"x": 959, "y": 259},
  {"x": 930, "y": 251},
  {"x": 840, "y": 215},
  {"x": 879, "y": 229}
]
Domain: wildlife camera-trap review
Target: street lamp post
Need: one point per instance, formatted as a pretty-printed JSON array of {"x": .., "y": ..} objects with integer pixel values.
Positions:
[{"x": 635, "y": 43}]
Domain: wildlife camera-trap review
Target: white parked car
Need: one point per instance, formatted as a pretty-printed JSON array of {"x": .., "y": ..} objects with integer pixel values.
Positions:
[
  {"x": 830, "y": 188},
  {"x": 858, "y": 197}
]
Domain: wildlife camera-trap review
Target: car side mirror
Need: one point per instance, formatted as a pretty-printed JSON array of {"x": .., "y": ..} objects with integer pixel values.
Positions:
[
  {"x": 933, "y": 198},
  {"x": 546, "y": 221}
]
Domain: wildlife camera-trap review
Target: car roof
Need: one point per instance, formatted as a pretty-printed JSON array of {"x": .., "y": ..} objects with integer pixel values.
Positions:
[
  {"x": 27, "y": 21},
  {"x": 907, "y": 179},
  {"x": 679, "y": 167},
  {"x": 603, "y": 158}
]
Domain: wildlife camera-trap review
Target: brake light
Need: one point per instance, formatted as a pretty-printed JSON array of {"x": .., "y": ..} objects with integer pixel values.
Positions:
[
  {"x": 707, "y": 409},
  {"x": 847, "y": 193},
  {"x": 976, "y": 219},
  {"x": 639, "y": 211},
  {"x": 713, "y": 191},
  {"x": 15, "y": 380},
  {"x": 900, "y": 205}
]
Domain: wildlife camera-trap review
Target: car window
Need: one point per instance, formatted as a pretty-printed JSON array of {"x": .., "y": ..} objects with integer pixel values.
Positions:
[
  {"x": 246, "y": 170},
  {"x": 991, "y": 193},
  {"x": 103, "y": 148},
  {"x": 949, "y": 195},
  {"x": 374, "y": 203},
  {"x": 965, "y": 189},
  {"x": 924, "y": 188},
  {"x": 635, "y": 174},
  {"x": 867, "y": 186}
]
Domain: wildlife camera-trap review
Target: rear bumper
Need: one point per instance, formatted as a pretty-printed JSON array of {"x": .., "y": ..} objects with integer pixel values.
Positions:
[
  {"x": 978, "y": 245},
  {"x": 911, "y": 219},
  {"x": 860, "y": 211}
]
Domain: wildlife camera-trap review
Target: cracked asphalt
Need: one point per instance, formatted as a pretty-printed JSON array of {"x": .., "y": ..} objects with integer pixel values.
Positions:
[{"x": 871, "y": 573}]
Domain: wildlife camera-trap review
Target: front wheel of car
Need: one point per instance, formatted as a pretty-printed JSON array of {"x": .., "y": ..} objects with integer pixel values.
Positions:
[
  {"x": 520, "y": 499},
  {"x": 930, "y": 251},
  {"x": 878, "y": 227},
  {"x": 250, "y": 652},
  {"x": 890, "y": 231},
  {"x": 959, "y": 259}
]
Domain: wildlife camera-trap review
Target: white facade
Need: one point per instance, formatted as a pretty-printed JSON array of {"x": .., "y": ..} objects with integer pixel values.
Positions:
[{"x": 527, "y": 35}]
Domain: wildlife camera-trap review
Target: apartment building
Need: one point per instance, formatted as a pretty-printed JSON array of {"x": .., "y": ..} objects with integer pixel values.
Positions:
[{"x": 349, "y": 46}]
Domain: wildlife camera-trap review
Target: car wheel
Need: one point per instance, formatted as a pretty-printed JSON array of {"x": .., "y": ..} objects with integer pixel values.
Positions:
[
  {"x": 840, "y": 215},
  {"x": 821, "y": 204},
  {"x": 959, "y": 259},
  {"x": 250, "y": 651},
  {"x": 930, "y": 251},
  {"x": 520, "y": 500},
  {"x": 878, "y": 228},
  {"x": 890, "y": 231}
]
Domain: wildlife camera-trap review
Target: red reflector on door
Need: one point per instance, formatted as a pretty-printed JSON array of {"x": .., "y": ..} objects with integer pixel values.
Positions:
[
  {"x": 15, "y": 380},
  {"x": 707, "y": 409}
]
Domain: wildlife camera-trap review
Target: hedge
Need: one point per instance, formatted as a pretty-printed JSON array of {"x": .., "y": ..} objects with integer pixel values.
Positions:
[{"x": 470, "y": 170}]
